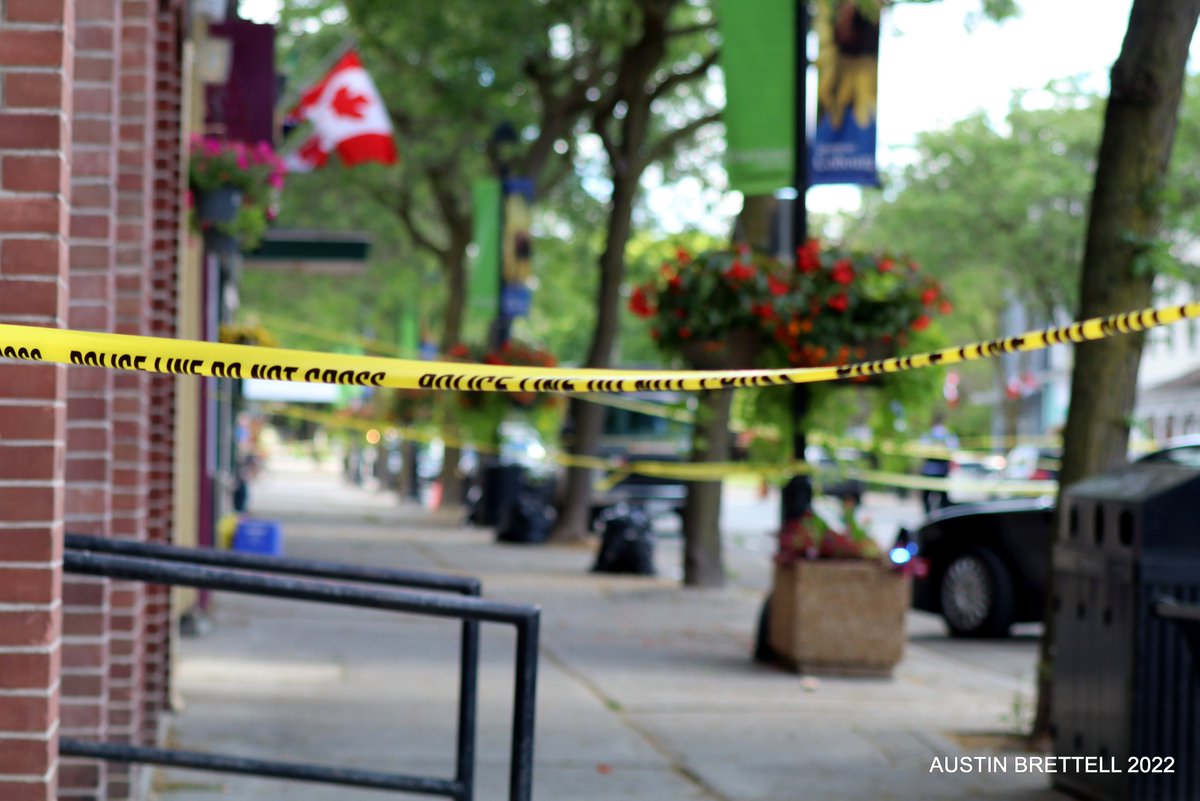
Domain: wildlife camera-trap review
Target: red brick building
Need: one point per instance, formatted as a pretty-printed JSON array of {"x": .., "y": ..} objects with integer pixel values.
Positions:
[{"x": 94, "y": 112}]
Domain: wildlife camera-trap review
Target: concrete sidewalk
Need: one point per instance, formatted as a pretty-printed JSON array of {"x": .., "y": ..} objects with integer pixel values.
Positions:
[{"x": 645, "y": 691}]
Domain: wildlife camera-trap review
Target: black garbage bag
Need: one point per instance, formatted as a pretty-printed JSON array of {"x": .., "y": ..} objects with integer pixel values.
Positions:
[
  {"x": 527, "y": 518},
  {"x": 627, "y": 545}
]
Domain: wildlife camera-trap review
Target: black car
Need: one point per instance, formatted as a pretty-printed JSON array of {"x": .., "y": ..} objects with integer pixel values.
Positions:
[{"x": 986, "y": 563}]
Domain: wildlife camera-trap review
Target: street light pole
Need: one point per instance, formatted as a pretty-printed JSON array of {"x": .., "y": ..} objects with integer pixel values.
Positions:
[{"x": 796, "y": 497}]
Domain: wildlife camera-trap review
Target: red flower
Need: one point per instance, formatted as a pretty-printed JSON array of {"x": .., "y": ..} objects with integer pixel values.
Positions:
[
  {"x": 808, "y": 256},
  {"x": 739, "y": 271},
  {"x": 929, "y": 296},
  {"x": 839, "y": 302},
  {"x": 459, "y": 351},
  {"x": 682, "y": 256},
  {"x": 843, "y": 272},
  {"x": 776, "y": 287},
  {"x": 640, "y": 304},
  {"x": 667, "y": 270},
  {"x": 675, "y": 284},
  {"x": 946, "y": 307},
  {"x": 685, "y": 332},
  {"x": 886, "y": 265},
  {"x": 921, "y": 323},
  {"x": 764, "y": 311}
]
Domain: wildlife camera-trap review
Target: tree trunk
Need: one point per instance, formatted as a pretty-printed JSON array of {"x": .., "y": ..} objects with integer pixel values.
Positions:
[
  {"x": 455, "y": 267},
  {"x": 1123, "y": 224},
  {"x": 703, "y": 565},
  {"x": 588, "y": 418},
  {"x": 753, "y": 224}
]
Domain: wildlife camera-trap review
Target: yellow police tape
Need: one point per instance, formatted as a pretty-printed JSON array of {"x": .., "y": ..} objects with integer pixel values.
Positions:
[
  {"x": 617, "y": 470},
  {"x": 183, "y": 357}
]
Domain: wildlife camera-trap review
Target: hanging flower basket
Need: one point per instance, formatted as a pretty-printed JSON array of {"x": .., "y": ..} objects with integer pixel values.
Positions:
[
  {"x": 234, "y": 189},
  {"x": 832, "y": 307},
  {"x": 218, "y": 206},
  {"x": 739, "y": 350},
  {"x": 479, "y": 414}
]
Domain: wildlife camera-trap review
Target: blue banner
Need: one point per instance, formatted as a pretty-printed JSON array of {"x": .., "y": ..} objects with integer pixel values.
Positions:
[
  {"x": 517, "y": 249},
  {"x": 843, "y": 146}
]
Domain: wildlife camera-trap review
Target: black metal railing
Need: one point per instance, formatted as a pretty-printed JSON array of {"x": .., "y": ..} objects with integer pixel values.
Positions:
[{"x": 331, "y": 583}]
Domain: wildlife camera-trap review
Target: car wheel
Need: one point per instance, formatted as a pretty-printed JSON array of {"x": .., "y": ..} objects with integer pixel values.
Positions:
[{"x": 976, "y": 593}]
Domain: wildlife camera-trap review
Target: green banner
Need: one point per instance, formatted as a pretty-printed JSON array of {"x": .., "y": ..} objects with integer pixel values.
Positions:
[
  {"x": 756, "y": 57},
  {"x": 409, "y": 329},
  {"x": 484, "y": 286}
]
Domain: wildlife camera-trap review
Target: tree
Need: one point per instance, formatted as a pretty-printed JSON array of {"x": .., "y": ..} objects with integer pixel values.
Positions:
[
  {"x": 982, "y": 200},
  {"x": 658, "y": 59},
  {"x": 1124, "y": 233}
]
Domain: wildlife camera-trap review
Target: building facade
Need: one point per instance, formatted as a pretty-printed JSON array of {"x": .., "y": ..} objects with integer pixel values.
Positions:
[{"x": 97, "y": 98}]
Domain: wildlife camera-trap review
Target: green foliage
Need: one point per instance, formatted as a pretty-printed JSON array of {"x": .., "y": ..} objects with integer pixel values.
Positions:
[{"x": 997, "y": 213}]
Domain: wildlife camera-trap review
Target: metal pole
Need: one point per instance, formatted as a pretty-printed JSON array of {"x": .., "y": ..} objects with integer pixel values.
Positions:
[
  {"x": 468, "y": 702},
  {"x": 797, "y": 493},
  {"x": 520, "y": 780}
]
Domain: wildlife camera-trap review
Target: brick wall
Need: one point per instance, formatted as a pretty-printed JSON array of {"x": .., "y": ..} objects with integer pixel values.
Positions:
[
  {"x": 36, "y": 65},
  {"x": 131, "y": 390},
  {"x": 167, "y": 208},
  {"x": 87, "y": 600}
]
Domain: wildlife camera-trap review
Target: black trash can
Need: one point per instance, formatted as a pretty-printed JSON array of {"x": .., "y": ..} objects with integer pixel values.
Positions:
[
  {"x": 1126, "y": 691},
  {"x": 627, "y": 545}
]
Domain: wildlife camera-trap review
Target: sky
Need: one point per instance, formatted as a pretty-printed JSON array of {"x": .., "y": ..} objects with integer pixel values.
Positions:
[{"x": 933, "y": 72}]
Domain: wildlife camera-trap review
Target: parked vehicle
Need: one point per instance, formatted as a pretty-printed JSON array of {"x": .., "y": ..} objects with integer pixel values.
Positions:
[
  {"x": 986, "y": 564},
  {"x": 965, "y": 472},
  {"x": 987, "y": 561},
  {"x": 827, "y": 478},
  {"x": 633, "y": 435}
]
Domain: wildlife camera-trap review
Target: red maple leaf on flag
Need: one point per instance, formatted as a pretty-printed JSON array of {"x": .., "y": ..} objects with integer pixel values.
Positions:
[{"x": 348, "y": 105}]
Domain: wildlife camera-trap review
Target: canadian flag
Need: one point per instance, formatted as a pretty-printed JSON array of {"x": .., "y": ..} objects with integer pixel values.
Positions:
[{"x": 348, "y": 117}]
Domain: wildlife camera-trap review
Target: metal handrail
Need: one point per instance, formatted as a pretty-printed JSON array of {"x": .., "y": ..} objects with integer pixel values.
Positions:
[
  {"x": 156, "y": 565},
  {"x": 286, "y": 565}
]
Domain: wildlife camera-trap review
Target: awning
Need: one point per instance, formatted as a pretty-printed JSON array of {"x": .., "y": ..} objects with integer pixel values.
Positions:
[{"x": 310, "y": 252}]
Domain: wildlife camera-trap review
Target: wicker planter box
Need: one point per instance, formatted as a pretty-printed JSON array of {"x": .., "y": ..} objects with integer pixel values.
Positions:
[{"x": 839, "y": 616}]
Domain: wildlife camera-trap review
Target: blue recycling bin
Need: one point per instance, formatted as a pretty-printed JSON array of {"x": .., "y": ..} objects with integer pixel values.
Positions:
[{"x": 259, "y": 536}]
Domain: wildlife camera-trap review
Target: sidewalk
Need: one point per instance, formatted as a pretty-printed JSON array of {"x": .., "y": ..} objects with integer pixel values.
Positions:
[{"x": 645, "y": 690}]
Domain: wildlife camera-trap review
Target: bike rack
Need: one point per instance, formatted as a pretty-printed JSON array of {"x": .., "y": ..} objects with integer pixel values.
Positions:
[{"x": 330, "y": 583}]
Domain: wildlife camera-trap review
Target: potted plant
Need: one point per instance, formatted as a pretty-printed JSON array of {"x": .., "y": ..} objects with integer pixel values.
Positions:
[
  {"x": 837, "y": 606},
  {"x": 234, "y": 191}
]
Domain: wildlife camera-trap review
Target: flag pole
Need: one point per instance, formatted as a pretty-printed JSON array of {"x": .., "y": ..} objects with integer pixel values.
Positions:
[{"x": 348, "y": 42}]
